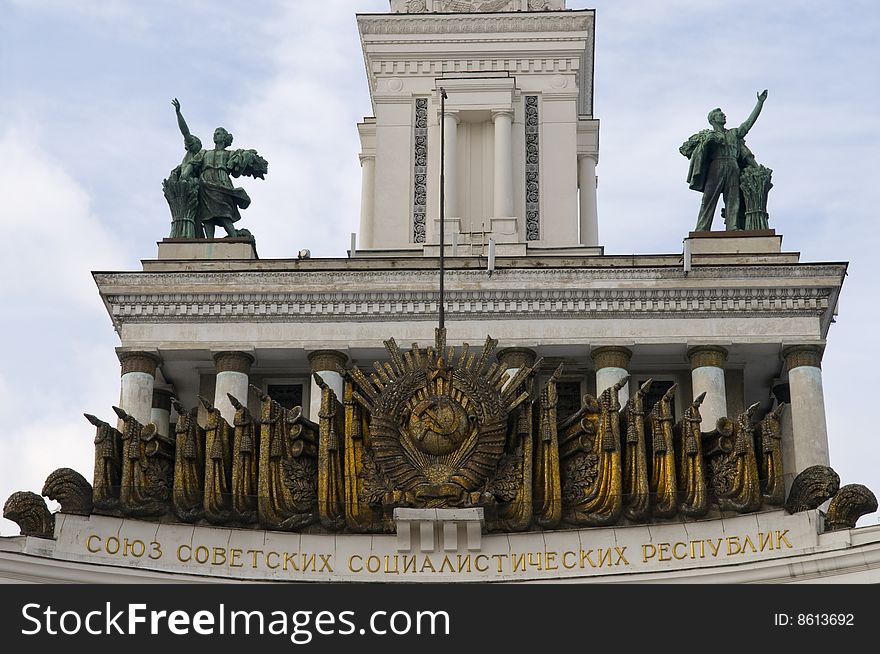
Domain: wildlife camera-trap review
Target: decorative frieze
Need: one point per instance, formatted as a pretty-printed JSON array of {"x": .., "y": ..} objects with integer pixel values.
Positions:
[
  {"x": 533, "y": 169},
  {"x": 470, "y": 24},
  {"x": 420, "y": 170}
]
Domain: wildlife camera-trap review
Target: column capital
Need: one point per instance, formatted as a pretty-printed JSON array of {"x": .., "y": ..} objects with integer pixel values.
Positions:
[
  {"x": 516, "y": 357},
  {"x": 796, "y": 356},
  {"x": 139, "y": 362},
  {"x": 363, "y": 158},
  {"x": 451, "y": 113},
  {"x": 496, "y": 113},
  {"x": 611, "y": 357},
  {"x": 322, "y": 360},
  {"x": 593, "y": 156},
  {"x": 233, "y": 362},
  {"x": 702, "y": 356}
]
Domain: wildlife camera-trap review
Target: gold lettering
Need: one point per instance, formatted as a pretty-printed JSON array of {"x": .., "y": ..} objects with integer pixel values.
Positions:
[
  {"x": 409, "y": 564},
  {"x": 517, "y": 561},
  {"x": 714, "y": 546},
  {"x": 351, "y": 563},
  {"x": 585, "y": 557},
  {"x": 309, "y": 560},
  {"x": 765, "y": 540},
  {"x": 219, "y": 553},
  {"x": 731, "y": 540},
  {"x": 748, "y": 541},
  {"x": 663, "y": 549},
  {"x": 427, "y": 563},
  {"x": 89, "y": 544},
  {"x": 550, "y": 561},
  {"x": 202, "y": 554},
  {"x": 499, "y": 558},
  {"x": 371, "y": 568},
  {"x": 143, "y": 548},
  {"x": 446, "y": 562},
  {"x": 255, "y": 553},
  {"x": 535, "y": 561},
  {"x": 180, "y": 551},
  {"x": 291, "y": 560},
  {"x": 388, "y": 570},
  {"x": 115, "y": 542},
  {"x": 565, "y": 560},
  {"x": 621, "y": 555},
  {"x": 645, "y": 556},
  {"x": 157, "y": 550},
  {"x": 233, "y": 563},
  {"x": 462, "y": 561},
  {"x": 325, "y": 562},
  {"x": 477, "y": 563},
  {"x": 675, "y": 551},
  {"x": 780, "y": 538},
  {"x": 605, "y": 557},
  {"x": 702, "y": 545},
  {"x": 268, "y": 562}
]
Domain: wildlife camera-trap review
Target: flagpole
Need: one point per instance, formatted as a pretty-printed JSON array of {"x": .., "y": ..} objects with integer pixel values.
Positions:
[{"x": 442, "y": 206}]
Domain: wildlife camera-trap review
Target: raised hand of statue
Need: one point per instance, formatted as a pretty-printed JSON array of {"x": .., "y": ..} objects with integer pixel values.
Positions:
[
  {"x": 762, "y": 96},
  {"x": 176, "y": 104}
]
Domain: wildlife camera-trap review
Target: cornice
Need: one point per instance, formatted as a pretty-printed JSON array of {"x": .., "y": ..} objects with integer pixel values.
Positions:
[{"x": 471, "y": 24}]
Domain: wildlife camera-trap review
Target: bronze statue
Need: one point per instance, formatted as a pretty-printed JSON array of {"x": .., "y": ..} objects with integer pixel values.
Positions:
[
  {"x": 200, "y": 191},
  {"x": 719, "y": 158}
]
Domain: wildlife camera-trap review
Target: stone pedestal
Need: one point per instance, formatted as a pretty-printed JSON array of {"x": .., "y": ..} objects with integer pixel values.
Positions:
[
  {"x": 707, "y": 375},
  {"x": 232, "y": 379},
  {"x": 764, "y": 241},
  {"x": 186, "y": 249},
  {"x": 809, "y": 427},
  {"x": 612, "y": 365},
  {"x": 439, "y": 530},
  {"x": 138, "y": 378}
]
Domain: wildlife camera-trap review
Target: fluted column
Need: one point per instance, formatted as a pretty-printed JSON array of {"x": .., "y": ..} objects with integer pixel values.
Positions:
[
  {"x": 589, "y": 211},
  {"x": 810, "y": 430},
  {"x": 450, "y": 122},
  {"x": 707, "y": 376},
  {"x": 326, "y": 363},
  {"x": 233, "y": 369},
  {"x": 161, "y": 412},
  {"x": 514, "y": 358},
  {"x": 612, "y": 365},
  {"x": 368, "y": 197},
  {"x": 503, "y": 120},
  {"x": 138, "y": 378}
]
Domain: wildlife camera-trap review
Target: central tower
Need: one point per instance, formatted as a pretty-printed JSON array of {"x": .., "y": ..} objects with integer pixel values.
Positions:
[{"x": 521, "y": 140}]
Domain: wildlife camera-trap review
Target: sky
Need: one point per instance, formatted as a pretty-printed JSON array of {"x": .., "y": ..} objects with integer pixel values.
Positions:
[{"x": 87, "y": 133}]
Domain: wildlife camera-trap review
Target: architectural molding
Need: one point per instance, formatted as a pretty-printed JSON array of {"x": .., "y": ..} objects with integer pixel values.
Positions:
[{"x": 479, "y": 24}]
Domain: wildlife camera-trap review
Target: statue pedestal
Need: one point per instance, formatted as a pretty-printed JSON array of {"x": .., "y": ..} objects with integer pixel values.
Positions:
[
  {"x": 189, "y": 249},
  {"x": 763, "y": 241},
  {"x": 434, "y": 530}
]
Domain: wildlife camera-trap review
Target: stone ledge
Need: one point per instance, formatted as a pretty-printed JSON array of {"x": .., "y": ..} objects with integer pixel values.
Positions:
[{"x": 189, "y": 249}]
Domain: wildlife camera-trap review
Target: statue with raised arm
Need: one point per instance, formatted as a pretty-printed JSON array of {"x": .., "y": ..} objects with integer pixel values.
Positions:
[
  {"x": 216, "y": 201},
  {"x": 722, "y": 165}
]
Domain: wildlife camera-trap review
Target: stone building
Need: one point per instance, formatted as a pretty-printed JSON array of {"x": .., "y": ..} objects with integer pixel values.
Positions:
[{"x": 733, "y": 326}]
